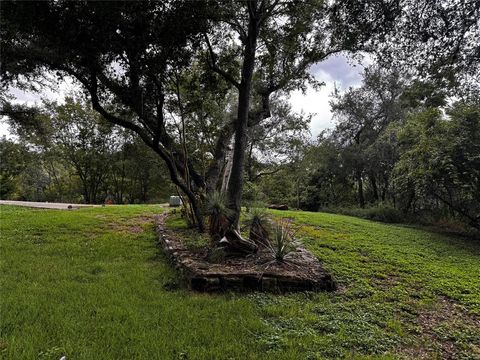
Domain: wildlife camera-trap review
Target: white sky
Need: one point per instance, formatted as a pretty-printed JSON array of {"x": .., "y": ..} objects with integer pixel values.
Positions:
[{"x": 335, "y": 71}]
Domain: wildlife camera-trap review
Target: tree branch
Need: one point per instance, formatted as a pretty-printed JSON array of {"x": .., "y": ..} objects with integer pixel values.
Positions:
[
  {"x": 256, "y": 177},
  {"x": 213, "y": 65}
]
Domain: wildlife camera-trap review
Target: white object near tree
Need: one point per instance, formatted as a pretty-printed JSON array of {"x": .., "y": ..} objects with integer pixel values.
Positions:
[{"x": 175, "y": 201}]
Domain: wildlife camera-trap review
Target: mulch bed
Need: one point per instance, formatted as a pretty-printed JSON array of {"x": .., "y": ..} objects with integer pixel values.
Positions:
[{"x": 258, "y": 272}]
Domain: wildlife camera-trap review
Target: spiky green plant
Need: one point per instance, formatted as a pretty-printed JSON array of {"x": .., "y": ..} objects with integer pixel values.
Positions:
[
  {"x": 258, "y": 220},
  {"x": 282, "y": 242},
  {"x": 218, "y": 216}
]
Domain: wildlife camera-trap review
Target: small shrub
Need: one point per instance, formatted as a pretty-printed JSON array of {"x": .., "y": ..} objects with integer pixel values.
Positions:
[
  {"x": 384, "y": 214},
  {"x": 216, "y": 255},
  {"x": 258, "y": 220},
  {"x": 282, "y": 242}
]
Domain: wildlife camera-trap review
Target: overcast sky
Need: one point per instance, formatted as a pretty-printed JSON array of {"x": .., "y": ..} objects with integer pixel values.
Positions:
[{"x": 335, "y": 71}]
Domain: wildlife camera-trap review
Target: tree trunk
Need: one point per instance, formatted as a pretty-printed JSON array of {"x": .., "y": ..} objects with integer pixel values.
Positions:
[
  {"x": 373, "y": 182},
  {"x": 213, "y": 174},
  {"x": 411, "y": 197},
  {"x": 191, "y": 195},
  {"x": 235, "y": 183},
  {"x": 361, "y": 199},
  {"x": 250, "y": 163},
  {"x": 234, "y": 243},
  {"x": 86, "y": 192},
  {"x": 86, "y": 197},
  {"x": 384, "y": 189}
]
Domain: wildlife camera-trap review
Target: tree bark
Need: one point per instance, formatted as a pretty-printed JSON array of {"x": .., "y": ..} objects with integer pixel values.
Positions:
[
  {"x": 235, "y": 184},
  {"x": 227, "y": 171},
  {"x": 373, "y": 182},
  {"x": 361, "y": 198},
  {"x": 174, "y": 176},
  {"x": 212, "y": 176}
]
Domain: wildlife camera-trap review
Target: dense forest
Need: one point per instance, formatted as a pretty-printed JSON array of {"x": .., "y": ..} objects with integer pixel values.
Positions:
[
  {"x": 400, "y": 150},
  {"x": 71, "y": 154}
]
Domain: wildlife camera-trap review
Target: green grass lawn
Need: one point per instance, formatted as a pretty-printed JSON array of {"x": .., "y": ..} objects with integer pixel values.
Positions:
[{"x": 91, "y": 284}]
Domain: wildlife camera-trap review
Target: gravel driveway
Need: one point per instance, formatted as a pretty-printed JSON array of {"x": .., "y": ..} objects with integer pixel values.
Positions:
[{"x": 46, "y": 205}]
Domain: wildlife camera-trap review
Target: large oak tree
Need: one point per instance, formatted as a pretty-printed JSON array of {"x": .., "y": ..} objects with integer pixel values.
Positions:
[{"x": 130, "y": 59}]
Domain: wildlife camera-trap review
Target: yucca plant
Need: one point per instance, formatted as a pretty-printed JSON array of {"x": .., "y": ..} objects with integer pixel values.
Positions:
[
  {"x": 218, "y": 216},
  {"x": 258, "y": 220},
  {"x": 282, "y": 242}
]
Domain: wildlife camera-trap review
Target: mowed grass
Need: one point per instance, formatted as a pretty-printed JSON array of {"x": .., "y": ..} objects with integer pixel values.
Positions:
[{"x": 91, "y": 284}]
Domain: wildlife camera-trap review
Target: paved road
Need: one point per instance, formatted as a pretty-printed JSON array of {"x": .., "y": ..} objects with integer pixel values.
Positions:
[{"x": 45, "y": 205}]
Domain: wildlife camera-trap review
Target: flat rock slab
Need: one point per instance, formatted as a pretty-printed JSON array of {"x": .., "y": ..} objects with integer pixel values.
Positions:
[{"x": 258, "y": 272}]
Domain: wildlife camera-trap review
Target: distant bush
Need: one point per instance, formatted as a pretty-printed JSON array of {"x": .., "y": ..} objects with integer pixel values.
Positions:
[
  {"x": 381, "y": 213},
  {"x": 387, "y": 214}
]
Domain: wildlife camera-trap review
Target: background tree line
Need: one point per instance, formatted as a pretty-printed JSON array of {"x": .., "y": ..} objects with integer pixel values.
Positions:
[
  {"x": 68, "y": 152},
  {"x": 400, "y": 149}
]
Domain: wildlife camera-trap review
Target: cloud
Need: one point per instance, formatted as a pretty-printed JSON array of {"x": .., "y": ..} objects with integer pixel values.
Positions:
[
  {"x": 20, "y": 96},
  {"x": 57, "y": 92},
  {"x": 344, "y": 71},
  {"x": 4, "y": 129},
  {"x": 337, "y": 71},
  {"x": 316, "y": 103}
]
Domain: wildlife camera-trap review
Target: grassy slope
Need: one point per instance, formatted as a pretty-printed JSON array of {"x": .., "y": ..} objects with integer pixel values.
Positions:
[{"x": 89, "y": 284}]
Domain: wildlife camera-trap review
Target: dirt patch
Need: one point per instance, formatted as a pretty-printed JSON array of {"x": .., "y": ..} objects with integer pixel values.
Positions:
[
  {"x": 436, "y": 326},
  {"x": 134, "y": 225},
  {"x": 386, "y": 282},
  {"x": 135, "y": 229},
  {"x": 144, "y": 219},
  {"x": 302, "y": 272},
  {"x": 125, "y": 228}
]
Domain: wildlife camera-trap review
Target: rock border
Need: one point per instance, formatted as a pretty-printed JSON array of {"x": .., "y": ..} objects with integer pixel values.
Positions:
[{"x": 303, "y": 273}]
